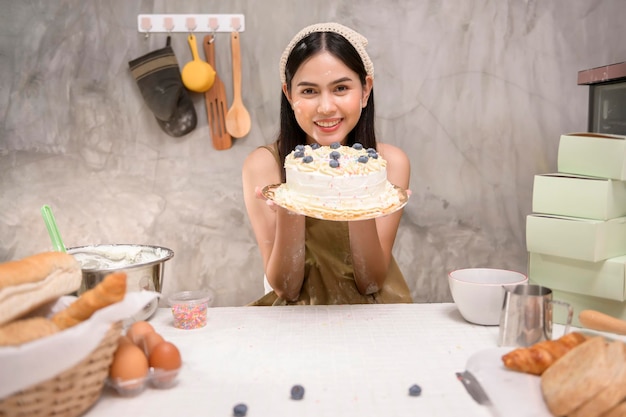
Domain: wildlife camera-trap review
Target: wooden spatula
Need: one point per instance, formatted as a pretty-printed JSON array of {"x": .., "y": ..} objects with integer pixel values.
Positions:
[
  {"x": 216, "y": 102},
  {"x": 237, "y": 119}
]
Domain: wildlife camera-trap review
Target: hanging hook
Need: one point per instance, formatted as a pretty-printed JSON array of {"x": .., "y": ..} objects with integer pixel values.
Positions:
[
  {"x": 214, "y": 25},
  {"x": 191, "y": 24},
  {"x": 168, "y": 24},
  {"x": 235, "y": 23},
  {"x": 146, "y": 24}
]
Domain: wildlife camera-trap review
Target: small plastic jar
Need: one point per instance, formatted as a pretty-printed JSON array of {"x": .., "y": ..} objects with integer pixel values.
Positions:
[{"x": 189, "y": 308}]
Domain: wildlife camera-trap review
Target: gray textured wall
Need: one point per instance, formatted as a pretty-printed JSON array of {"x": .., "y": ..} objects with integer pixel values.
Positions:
[{"x": 476, "y": 91}]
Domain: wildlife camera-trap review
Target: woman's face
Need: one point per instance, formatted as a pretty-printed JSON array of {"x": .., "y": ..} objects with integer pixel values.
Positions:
[{"x": 327, "y": 98}]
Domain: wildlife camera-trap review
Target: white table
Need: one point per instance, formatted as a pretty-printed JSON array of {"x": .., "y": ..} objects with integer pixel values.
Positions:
[{"x": 355, "y": 360}]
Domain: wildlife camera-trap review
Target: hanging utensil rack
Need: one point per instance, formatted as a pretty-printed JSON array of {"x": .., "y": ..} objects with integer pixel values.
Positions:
[{"x": 211, "y": 23}]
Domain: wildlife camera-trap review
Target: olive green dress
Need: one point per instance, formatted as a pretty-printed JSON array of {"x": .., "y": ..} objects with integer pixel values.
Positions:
[{"x": 329, "y": 273}]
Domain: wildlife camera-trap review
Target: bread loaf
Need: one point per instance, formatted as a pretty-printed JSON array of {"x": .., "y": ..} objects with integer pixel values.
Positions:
[
  {"x": 21, "y": 331},
  {"x": 537, "y": 358},
  {"x": 31, "y": 282},
  {"x": 109, "y": 291},
  {"x": 577, "y": 377},
  {"x": 618, "y": 411},
  {"x": 613, "y": 394}
]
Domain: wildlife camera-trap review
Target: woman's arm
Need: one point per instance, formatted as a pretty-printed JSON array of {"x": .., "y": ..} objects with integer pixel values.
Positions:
[
  {"x": 279, "y": 232},
  {"x": 371, "y": 241}
]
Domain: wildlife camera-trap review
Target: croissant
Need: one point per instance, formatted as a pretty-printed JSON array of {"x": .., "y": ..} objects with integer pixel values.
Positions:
[
  {"x": 537, "y": 358},
  {"x": 109, "y": 291}
]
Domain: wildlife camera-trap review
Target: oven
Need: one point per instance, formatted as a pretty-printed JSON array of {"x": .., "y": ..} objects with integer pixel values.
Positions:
[{"x": 607, "y": 98}]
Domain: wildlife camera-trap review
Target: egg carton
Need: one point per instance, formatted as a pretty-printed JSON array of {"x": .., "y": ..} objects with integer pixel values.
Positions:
[{"x": 156, "y": 378}]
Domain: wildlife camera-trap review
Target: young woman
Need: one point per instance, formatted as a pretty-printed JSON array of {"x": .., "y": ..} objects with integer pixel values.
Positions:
[{"x": 327, "y": 85}]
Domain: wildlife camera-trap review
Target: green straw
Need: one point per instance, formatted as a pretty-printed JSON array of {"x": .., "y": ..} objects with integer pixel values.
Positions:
[{"x": 53, "y": 230}]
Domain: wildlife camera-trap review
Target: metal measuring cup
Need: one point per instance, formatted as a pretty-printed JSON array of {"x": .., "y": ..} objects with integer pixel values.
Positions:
[{"x": 526, "y": 315}]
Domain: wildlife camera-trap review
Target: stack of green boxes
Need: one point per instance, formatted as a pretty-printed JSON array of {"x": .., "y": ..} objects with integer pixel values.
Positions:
[{"x": 576, "y": 236}]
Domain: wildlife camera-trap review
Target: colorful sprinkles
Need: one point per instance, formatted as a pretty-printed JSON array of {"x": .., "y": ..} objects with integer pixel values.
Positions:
[{"x": 189, "y": 316}]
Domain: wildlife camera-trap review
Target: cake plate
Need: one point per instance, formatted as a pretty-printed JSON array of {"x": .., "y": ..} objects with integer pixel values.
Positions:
[{"x": 325, "y": 213}]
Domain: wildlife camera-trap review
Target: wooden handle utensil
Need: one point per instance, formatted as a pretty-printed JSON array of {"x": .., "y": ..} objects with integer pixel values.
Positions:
[
  {"x": 595, "y": 320},
  {"x": 238, "y": 121},
  {"x": 216, "y": 102}
]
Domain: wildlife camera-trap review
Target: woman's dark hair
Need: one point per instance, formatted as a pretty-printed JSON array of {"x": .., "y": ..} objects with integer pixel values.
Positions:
[{"x": 290, "y": 133}]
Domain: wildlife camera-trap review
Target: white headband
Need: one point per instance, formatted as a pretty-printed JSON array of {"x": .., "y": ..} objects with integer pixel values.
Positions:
[{"x": 358, "y": 41}]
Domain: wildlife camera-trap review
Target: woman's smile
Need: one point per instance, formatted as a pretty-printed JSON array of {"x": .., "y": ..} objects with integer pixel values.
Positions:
[{"x": 328, "y": 124}]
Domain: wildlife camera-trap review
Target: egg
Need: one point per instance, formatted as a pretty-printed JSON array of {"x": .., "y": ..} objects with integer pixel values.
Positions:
[
  {"x": 165, "y": 359},
  {"x": 165, "y": 355},
  {"x": 124, "y": 340},
  {"x": 150, "y": 340},
  {"x": 137, "y": 331},
  {"x": 129, "y": 363}
]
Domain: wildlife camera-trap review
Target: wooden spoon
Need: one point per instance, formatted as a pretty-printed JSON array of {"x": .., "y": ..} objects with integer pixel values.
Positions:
[
  {"x": 238, "y": 121},
  {"x": 595, "y": 320},
  {"x": 197, "y": 75}
]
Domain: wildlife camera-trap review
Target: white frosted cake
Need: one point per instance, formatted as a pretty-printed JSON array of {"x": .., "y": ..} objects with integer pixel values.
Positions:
[{"x": 337, "y": 179}]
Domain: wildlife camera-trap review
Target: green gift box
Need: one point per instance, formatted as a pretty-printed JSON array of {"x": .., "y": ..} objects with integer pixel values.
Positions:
[
  {"x": 579, "y": 196},
  {"x": 604, "y": 279},
  {"x": 572, "y": 237},
  {"x": 593, "y": 154}
]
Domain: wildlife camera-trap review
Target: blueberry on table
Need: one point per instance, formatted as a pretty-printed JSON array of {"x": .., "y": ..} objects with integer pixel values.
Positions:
[
  {"x": 240, "y": 410},
  {"x": 415, "y": 390},
  {"x": 297, "y": 392}
]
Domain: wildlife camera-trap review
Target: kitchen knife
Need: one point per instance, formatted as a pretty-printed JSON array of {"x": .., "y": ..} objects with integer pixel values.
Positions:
[{"x": 473, "y": 387}]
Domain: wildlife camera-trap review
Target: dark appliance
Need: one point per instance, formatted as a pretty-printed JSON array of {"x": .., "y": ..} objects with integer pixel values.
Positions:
[{"x": 607, "y": 98}]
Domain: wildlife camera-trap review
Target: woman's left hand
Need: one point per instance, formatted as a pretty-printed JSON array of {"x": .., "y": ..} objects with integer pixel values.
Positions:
[{"x": 258, "y": 191}]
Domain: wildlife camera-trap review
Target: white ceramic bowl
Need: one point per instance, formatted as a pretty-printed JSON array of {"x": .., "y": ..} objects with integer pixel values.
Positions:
[{"x": 478, "y": 292}]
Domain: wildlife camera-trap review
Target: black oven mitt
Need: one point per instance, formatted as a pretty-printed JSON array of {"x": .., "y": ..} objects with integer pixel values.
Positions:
[{"x": 158, "y": 76}]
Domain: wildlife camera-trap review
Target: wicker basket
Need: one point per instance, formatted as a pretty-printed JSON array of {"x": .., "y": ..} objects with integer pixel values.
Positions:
[{"x": 70, "y": 393}]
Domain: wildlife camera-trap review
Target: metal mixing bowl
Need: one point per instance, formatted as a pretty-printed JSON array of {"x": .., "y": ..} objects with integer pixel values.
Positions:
[{"x": 143, "y": 265}]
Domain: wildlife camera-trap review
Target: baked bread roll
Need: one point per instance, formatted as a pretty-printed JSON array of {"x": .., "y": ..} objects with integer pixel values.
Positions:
[
  {"x": 26, "y": 330},
  {"x": 537, "y": 358},
  {"x": 31, "y": 282},
  {"x": 615, "y": 392},
  {"x": 109, "y": 291},
  {"x": 577, "y": 377},
  {"x": 618, "y": 411}
]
